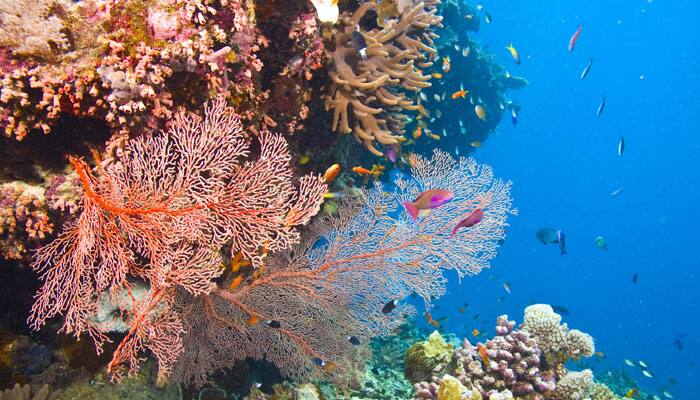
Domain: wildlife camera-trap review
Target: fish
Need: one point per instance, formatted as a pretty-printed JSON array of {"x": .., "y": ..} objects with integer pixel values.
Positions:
[
  {"x": 574, "y": 38},
  {"x": 361, "y": 170},
  {"x": 480, "y": 112},
  {"x": 482, "y": 353},
  {"x": 513, "y": 53},
  {"x": 508, "y": 74},
  {"x": 635, "y": 278},
  {"x": 514, "y": 117},
  {"x": 418, "y": 132},
  {"x": 599, "y": 354},
  {"x": 561, "y": 310},
  {"x": 446, "y": 64},
  {"x": 601, "y": 107},
  {"x": 390, "y": 306},
  {"x": 304, "y": 159},
  {"x": 460, "y": 93},
  {"x": 547, "y": 235},
  {"x": 253, "y": 320},
  {"x": 436, "y": 75},
  {"x": 678, "y": 342},
  {"x": 561, "y": 238},
  {"x": 500, "y": 299},
  {"x": 466, "y": 51},
  {"x": 353, "y": 340},
  {"x": 334, "y": 195},
  {"x": 601, "y": 243},
  {"x": 476, "y": 316},
  {"x": 647, "y": 374},
  {"x": 236, "y": 282},
  {"x": 472, "y": 219},
  {"x": 630, "y": 393},
  {"x": 586, "y": 70},
  {"x": 444, "y": 132},
  {"x": 359, "y": 43},
  {"x": 273, "y": 324},
  {"x": 475, "y": 332},
  {"x": 392, "y": 152},
  {"x": 318, "y": 362},
  {"x": 331, "y": 173},
  {"x": 469, "y": 16},
  {"x": 667, "y": 394},
  {"x": 436, "y": 97},
  {"x": 427, "y": 201},
  {"x": 423, "y": 96},
  {"x": 621, "y": 146},
  {"x": 629, "y": 362},
  {"x": 461, "y": 310},
  {"x": 642, "y": 364},
  {"x": 431, "y": 321},
  {"x": 617, "y": 191},
  {"x": 457, "y": 47},
  {"x": 506, "y": 287},
  {"x": 487, "y": 17}
]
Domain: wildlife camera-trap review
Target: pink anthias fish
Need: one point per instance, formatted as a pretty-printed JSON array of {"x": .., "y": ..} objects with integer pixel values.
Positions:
[
  {"x": 474, "y": 218},
  {"x": 574, "y": 38},
  {"x": 427, "y": 201}
]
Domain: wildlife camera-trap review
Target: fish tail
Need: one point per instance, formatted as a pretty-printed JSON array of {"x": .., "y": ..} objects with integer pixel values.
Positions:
[{"x": 412, "y": 210}]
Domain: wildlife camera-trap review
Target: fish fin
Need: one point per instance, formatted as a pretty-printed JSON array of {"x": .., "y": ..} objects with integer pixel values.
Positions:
[{"x": 412, "y": 210}]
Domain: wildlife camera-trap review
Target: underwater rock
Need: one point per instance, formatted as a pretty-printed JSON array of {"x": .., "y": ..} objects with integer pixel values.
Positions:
[
  {"x": 25, "y": 392},
  {"x": 452, "y": 389},
  {"x": 427, "y": 358},
  {"x": 21, "y": 357}
]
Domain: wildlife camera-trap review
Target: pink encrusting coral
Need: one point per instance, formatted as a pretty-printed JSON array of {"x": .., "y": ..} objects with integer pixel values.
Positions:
[
  {"x": 336, "y": 281},
  {"x": 159, "y": 213}
]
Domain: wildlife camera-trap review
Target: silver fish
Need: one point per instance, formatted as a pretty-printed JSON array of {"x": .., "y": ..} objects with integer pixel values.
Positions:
[
  {"x": 621, "y": 146},
  {"x": 617, "y": 191},
  {"x": 587, "y": 69},
  {"x": 601, "y": 107}
]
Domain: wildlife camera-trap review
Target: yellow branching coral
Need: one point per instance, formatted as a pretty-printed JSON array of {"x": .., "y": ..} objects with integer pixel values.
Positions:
[{"x": 371, "y": 71}]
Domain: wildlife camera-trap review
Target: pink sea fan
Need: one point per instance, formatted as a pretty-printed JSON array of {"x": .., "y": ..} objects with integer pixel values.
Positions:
[
  {"x": 160, "y": 214},
  {"x": 335, "y": 282}
]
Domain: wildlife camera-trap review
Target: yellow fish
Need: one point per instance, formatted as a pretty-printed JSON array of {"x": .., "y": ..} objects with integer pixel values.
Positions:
[
  {"x": 475, "y": 332},
  {"x": 418, "y": 132},
  {"x": 480, "y": 112},
  {"x": 304, "y": 159},
  {"x": 514, "y": 53},
  {"x": 475, "y": 144},
  {"x": 436, "y": 75}
]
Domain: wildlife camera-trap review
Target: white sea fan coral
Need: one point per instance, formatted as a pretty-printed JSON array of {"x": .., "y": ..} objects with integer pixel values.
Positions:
[{"x": 31, "y": 28}]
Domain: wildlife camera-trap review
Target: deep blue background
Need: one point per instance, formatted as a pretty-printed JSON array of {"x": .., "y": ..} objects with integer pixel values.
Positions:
[{"x": 563, "y": 162}]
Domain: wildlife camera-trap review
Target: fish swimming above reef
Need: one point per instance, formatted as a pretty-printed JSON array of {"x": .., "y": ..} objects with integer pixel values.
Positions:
[
  {"x": 427, "y": 201},
  {"x": 678, "y": 341},
  {"x": 513, "y": 53},
  {"x": 390, "y": 306},
  {"x": 331, "y": 173},
  {"x": 480, "y": 112},
  {"x": 551, "y": 236},
  {"x": 601, "y": 107},
  {"x": 472, "y": 219},
  {"x": 601, "y": 243},
  {"x": 587, "y": 69},
  {"x": 561, "y": 310},
  {"x": 574, "y": 38},
  {"x": 621, "y": 146},
  {"x": 629, "y": 362}
]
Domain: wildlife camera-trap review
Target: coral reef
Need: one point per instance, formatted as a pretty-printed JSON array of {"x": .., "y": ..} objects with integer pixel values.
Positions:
[
  {"x": 558, "y": 343},
  {"x": 25, "y": 393},
  {"x": 424, "y": 358},
  {"x": 371, "y": 69},
  {"x": 129, "y": 63},
  {"x": 513, "y": 364}
]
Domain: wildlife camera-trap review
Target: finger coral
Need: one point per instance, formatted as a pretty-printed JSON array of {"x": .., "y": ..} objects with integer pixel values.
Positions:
[
  {"x": 160, "y": 213},
  {"x": 299, "y": 310},
  {"x": 371, "y": 70}
]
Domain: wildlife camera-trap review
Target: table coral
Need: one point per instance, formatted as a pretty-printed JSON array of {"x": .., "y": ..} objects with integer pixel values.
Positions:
[{"x": 367, "y": 96}]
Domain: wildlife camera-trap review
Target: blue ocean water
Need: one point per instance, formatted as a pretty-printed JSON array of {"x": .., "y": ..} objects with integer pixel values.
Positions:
[{"x": 564, "y": 164}]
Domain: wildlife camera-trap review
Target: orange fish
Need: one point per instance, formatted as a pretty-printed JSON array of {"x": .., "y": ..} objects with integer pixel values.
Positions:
[
  {"x": 460, "y": 93},
  {"x": 331, "y": 173},
  {"x": 480, "y": 112},
  {"x": 446, "y": 65},
  {"x": 430, "y": 320},
  {"x": 254, "y": 319},
  {"x": 361, "y": 171},
  {"x": 238, "y": 262},
  {"x": 482, "y": 353},
  {"x": 236, "y": 282},
  {"x": 475, "y": 332},
  {"x": 330, "y": 366},
  {"x": 418, "y": 132},
  {"x": 436, "y": 75}
]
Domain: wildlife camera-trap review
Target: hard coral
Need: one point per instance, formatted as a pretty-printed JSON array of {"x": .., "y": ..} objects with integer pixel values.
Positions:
[
  {"x": 368, "y": 83},
  {"x": 558, "y": 343}
]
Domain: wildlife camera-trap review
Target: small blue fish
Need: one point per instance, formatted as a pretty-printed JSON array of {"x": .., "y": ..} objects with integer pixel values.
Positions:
[{"x": 587, "y": 69}]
